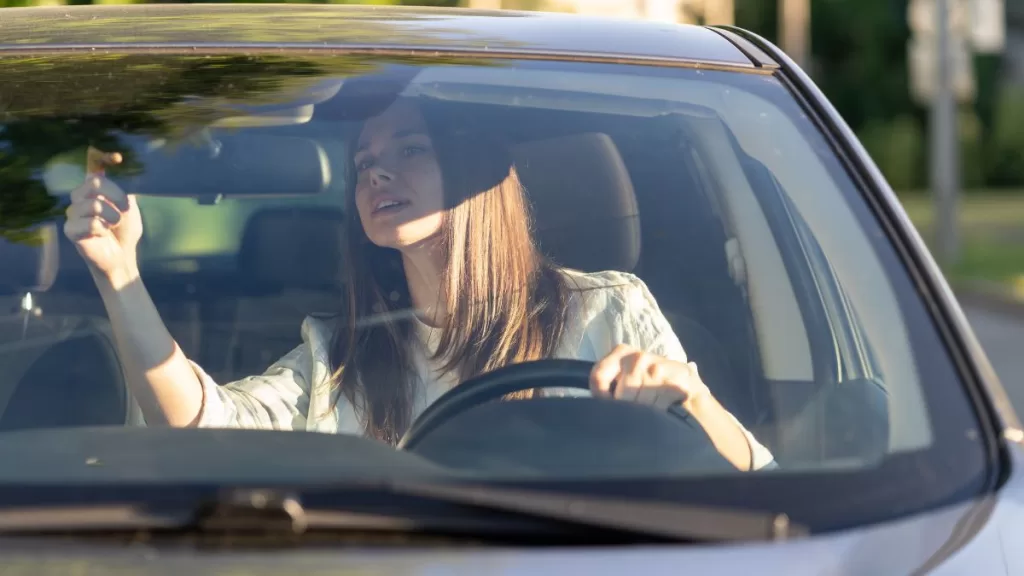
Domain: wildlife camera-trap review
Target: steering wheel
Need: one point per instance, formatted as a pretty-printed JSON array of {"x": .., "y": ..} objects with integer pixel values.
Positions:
[
  {"x": 538, "y": 374},
  {"x": 465, "y": 429}
]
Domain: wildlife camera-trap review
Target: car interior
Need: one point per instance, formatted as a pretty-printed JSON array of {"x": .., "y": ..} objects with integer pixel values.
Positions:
[{"x": 608, "y": 192}]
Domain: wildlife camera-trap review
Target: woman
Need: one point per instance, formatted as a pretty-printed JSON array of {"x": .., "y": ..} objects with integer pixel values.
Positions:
[{"x": 442, "y": 229}]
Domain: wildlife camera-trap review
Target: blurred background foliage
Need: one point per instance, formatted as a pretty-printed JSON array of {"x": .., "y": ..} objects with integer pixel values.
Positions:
[{"x": 859, "y": 59}]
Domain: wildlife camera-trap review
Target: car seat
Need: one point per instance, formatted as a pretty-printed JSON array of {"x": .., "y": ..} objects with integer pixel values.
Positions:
[
  {"x": 289, "y": 266},
  {"x": 587, "y": 217},
  {"x": 58, "y": 370}
]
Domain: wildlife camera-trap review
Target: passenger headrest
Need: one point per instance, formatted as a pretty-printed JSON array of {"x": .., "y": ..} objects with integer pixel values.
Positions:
[
  {"x": 585, "y": 210},
  {"x": 31, "y": 264},
  {"x": 294, "y": 247}
]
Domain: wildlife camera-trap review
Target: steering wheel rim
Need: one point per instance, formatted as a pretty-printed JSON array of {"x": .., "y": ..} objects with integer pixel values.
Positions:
[{"x": 536, "y": 374}]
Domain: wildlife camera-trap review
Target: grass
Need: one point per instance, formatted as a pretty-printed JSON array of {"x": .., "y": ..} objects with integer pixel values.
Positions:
[
  {"x": 976, "y": 209},
  {"x": 991, "y": 232}
]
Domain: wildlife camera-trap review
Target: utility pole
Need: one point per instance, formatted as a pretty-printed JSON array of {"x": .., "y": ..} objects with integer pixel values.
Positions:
[
  {"x": 795, "y": 30},
  {"x": 945, "y": 141}
]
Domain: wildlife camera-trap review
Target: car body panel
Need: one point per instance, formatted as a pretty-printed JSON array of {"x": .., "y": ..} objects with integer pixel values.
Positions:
[{"x": 918, "y": 544}]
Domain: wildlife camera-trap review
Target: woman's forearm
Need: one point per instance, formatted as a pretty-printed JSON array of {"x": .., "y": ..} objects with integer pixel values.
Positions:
[
  {"x": 159, "y": 375},
  {"x": 729, "y": 439}
]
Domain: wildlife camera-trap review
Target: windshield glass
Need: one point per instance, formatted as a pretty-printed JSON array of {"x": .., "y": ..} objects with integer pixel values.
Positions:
[{"x": 501, "y": 269}]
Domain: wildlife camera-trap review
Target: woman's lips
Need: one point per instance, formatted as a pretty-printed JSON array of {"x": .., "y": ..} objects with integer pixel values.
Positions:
[{"x": 389, "y": 205}]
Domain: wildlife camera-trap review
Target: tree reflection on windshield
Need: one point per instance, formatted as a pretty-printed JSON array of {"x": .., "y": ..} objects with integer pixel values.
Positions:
[{"x": 59, "y": 105}]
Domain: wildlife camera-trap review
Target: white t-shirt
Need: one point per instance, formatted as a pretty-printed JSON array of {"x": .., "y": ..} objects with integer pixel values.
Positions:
[{"x": 296, "y": 393}]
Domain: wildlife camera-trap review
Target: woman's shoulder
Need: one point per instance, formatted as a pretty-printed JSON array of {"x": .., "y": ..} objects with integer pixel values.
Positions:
[
  {"x": 613, "y": 307},
  {"x": 317, "y": 333},
  {"x": 607, "y": 288},
  {"x": 608, "y": 295},
  {"x": 612, "y": 280}
]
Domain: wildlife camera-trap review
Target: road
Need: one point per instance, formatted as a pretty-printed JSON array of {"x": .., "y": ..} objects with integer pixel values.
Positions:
[{"x": 1002, "y": 336}]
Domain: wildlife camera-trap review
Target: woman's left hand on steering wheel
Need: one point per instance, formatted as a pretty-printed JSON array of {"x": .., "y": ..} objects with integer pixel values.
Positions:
[{"x": 629, "y": 373}]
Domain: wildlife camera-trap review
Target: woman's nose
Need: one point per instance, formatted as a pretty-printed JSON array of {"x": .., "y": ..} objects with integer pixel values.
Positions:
[{"x": 380, "y": 176}]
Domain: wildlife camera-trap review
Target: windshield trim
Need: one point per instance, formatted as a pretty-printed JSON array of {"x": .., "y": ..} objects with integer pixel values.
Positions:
[{"x": 381, "y": 50}]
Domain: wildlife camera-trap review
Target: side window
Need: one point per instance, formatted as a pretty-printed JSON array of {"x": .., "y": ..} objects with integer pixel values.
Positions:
[
  {"x": 817, "y": 380},
  {"x": 755, "y": 256},
  {"x": 790, "y": 153}
]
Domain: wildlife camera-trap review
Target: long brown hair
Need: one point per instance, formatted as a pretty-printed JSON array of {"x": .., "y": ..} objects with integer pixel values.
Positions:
[{"x": 507, "y": 303}]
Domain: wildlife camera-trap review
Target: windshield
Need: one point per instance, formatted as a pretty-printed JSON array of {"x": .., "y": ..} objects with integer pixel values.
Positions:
[{"x": 491, "y": 269}]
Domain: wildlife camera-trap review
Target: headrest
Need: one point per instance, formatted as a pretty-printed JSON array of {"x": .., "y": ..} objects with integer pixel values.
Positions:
[
  {"x": 293, "y": 247},
  {"x": 585, "y": 210},
  {"x": 29, "y": 264}
]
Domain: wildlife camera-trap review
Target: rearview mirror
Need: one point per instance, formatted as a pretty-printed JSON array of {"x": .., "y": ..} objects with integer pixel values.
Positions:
[
  {"x": 235, "y": 165},
  {"x": 209, "y": 167}
]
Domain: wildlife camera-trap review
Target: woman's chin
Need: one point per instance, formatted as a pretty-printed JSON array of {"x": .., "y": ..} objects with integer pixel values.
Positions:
[{"x": 404, "y": 242}]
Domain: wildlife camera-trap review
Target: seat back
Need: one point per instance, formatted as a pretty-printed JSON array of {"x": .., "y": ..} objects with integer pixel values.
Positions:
[
  {"x": 587, "y": 217},
  {"x": 55, "y": 370},
  {"x": 585, "y": 211},
  {"x": 289, "y": 267}
]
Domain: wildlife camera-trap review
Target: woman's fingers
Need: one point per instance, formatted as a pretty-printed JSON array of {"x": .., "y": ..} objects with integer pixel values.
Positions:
[
  {"x": 632, "y": 376},
  {"x": 96, "y": 183},
  {"x": 97, "y": 161},
  {"x": 88, "y": 189},
  {"x": 605, "y": 371},
  {"x": 91, "y": 207},
  {"x": 90, "y": 200},
  {"x": 85, "y": 227},
  {"x": 622, "y": 374},
  {"x": 99, "y": 188},
  {"x": 92, "y": 211}
]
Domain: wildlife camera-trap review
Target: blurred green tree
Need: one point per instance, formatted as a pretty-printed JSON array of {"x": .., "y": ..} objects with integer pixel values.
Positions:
[
  {"x": 57, "y": 106},
  {"x": 859, "y": 59}
]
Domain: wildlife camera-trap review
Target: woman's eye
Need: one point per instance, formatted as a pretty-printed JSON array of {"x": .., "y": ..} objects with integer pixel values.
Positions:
[
  {"x": 363, "y": 165},
  {"x": 413, "y": 150}
]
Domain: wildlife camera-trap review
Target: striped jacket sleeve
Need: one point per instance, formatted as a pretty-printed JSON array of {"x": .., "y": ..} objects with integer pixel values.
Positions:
[{"x": 278, "y": 399}]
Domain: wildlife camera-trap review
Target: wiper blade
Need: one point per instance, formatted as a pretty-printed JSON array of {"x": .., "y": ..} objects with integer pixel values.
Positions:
[
  {"x": 483, "y": 512},
  {"x": 661, "y": 520}
]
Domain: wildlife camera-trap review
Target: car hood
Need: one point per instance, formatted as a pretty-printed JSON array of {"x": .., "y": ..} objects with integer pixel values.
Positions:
[{"x": 972, "y": 538}]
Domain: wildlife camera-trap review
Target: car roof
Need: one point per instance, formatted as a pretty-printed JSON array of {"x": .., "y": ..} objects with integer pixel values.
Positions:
[{"x": 226, "y": 26}]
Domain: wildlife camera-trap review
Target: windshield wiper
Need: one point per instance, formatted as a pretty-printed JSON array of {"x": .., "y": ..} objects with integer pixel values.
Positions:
[
  {"x": 459, "y": 511},
  {"x": 482, "y": 508}
]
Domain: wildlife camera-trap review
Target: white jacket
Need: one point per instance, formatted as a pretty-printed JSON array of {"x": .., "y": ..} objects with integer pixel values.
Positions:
[{"x": 295, "y": 393}]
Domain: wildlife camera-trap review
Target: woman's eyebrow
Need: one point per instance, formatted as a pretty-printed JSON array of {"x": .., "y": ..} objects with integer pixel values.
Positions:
[
  {"x": 400, "y": 134},
  {"x": 408, "y": 132}
]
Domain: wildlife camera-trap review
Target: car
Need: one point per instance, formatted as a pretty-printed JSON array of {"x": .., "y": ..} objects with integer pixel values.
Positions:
[{"x": 697, "y": 164}]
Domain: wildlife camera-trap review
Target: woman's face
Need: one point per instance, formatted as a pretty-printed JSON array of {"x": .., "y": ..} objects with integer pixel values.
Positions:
[{"x": 399, "y": 190}]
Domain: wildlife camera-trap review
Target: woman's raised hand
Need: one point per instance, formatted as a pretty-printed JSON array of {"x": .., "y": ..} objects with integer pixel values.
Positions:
[{"x": 103, "y": 222}]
